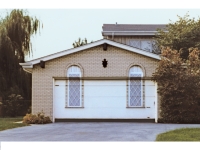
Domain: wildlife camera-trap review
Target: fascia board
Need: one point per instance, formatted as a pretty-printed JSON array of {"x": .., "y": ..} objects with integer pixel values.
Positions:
[
  {"x": 25, "y": 64},
  {"x": 66, "y": 52},
  {"x": 31, "y": 66}
]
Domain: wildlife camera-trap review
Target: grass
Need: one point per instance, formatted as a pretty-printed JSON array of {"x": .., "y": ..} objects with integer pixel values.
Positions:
[
  {"x": 8, "y": 123},
  {"x": 184, "y": 134}
]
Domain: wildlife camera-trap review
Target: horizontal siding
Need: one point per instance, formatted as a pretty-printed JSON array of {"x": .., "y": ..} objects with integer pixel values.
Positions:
[{"x": 126, "y": 39}]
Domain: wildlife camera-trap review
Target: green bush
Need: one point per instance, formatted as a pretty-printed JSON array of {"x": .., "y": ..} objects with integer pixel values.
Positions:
[
  {"x": 178, "y": 86},
  {"x": 14, "y": 106},
  {"x": 40, "y": 118},
  {"x": 11, "y": 106}
]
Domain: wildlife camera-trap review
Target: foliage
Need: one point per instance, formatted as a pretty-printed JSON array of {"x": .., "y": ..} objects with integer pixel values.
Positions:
[
  {"x": 12, "y": 106},
  {"x": 9, "y": 123},
  {"x": 181, "y": 35},
  {"x": 80, "y": 43},
  {"x": 40, "y": 118},
  {"x": 178, "y": 86},
  {"x": 29, "y": 110},
  {"x": 185, "y": 134},
  {"x": 16, "y": 30}
]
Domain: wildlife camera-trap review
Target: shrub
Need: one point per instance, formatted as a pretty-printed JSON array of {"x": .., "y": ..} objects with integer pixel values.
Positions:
[
  {"x": 29, "y": 110},
  {"x": 12, "y": 105},
  {"x": 178, "y": 86},
  {"x": 40, "y": 118},
  {"x": 15, "y": 106}
]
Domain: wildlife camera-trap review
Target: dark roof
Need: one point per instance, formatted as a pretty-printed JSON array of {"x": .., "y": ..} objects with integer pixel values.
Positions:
[{"x": 133, "y": 27}]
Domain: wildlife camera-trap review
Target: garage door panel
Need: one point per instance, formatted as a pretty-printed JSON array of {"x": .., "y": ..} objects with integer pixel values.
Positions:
[
  {"x": 105, "y": 103},
  {"x": 107, "y": 91},
  {"x": 150, "y": 90},
  {"x": 105, "y": 94},
  {"x": 104, "y": 88},
  {"x": 59, "y": 97}
]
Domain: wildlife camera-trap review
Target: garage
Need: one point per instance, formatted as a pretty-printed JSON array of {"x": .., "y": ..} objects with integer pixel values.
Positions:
[
  {"x": 100, "y": 80},
  {"x": 103, "y": 99}
]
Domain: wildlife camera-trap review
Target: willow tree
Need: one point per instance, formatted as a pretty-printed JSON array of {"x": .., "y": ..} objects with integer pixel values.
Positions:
[
  {"x": 16, "y": 30},
  {"x": 20, "y": 27}
]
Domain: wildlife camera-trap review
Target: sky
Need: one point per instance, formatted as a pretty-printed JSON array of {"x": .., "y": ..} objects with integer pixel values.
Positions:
[{"x": 63, "y": 26}]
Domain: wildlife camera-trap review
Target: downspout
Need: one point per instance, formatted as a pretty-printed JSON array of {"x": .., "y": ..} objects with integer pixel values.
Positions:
[
  {"x": 53, "y": 117},
  {"x": 156, "y": 103},
  {"x": 113, "y": 35}
]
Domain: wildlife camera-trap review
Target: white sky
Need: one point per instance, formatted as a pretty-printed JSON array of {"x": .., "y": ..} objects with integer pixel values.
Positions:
[{"x": 61, "y": 27}]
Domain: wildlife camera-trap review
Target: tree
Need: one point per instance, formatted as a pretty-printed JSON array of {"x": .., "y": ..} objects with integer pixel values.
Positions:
[
  {"x": 80, "y": 43},
  {"x": 19, "y": 29},
  {"x": 178, "y": 86},
  {"x": 16, "y": 30},
  {"x": 181, "y": 35}
]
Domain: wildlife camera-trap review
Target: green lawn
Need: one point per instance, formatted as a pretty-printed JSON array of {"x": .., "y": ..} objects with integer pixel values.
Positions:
[
  {"x": 8, "y": 123},
  {"x": 184, "y": 134}
]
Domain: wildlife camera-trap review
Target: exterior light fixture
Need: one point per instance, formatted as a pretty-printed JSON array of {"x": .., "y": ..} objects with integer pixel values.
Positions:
[
  {"x": 42, "y": 64},
  {"x": 105, "y": 45}
]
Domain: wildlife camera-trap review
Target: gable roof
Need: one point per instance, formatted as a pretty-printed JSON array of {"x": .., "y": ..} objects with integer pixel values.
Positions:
[
  {"x": 29, "y": 64},
  {"x": 132, "y": 29}
]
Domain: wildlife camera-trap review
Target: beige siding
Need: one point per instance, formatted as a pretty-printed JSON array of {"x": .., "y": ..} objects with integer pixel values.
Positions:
[
  {"x": 126, "y": 39},
  {"x": 119, "y": 62}
]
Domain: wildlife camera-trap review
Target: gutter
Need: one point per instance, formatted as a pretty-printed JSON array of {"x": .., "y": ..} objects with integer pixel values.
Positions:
[
  {"x": 27, "y": 70},
  {"x": 26, "y": 66},
  {"x": 126, "y": 33}
]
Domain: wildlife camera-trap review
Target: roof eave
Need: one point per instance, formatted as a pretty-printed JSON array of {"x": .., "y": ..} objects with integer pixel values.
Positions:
[{"x": 30, "y": 64}]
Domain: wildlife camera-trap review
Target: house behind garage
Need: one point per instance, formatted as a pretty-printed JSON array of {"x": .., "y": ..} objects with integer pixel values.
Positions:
[{"x": 107, "y": 79}]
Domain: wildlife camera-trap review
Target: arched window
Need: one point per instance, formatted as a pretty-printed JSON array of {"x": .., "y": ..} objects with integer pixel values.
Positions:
[
  {"x": 74, "y": 86},
  {"x": 135, "y": 87}
]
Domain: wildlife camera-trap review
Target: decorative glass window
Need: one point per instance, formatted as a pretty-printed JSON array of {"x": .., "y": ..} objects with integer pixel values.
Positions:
[
  {"x": 74, "y": 87},
  {"x": 146, "y": 45},
  {"x": 135, "y": 87},
  {"x": 135, "y": 43}
]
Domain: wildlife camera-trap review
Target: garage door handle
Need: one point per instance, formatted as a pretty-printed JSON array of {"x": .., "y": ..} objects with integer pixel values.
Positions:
[{"x": 148, "y": 107}]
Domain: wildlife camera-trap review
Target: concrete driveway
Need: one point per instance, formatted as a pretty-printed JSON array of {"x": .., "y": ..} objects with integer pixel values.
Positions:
[{"x": 90, "y": 131}]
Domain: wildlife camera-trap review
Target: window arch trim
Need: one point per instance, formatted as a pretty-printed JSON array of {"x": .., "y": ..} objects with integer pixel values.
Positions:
[{"x": 136, "y": 64}]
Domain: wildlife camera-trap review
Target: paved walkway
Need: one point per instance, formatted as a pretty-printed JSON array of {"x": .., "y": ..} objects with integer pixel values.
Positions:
[{"x": 90, "y": 131}]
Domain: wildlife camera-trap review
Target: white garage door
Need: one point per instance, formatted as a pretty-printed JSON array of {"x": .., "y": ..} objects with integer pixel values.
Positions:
[{"x": 104, "y": 99}]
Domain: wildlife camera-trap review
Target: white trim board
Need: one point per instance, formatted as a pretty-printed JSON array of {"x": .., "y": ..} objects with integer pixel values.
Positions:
[{"x": 29, "y": 64}]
